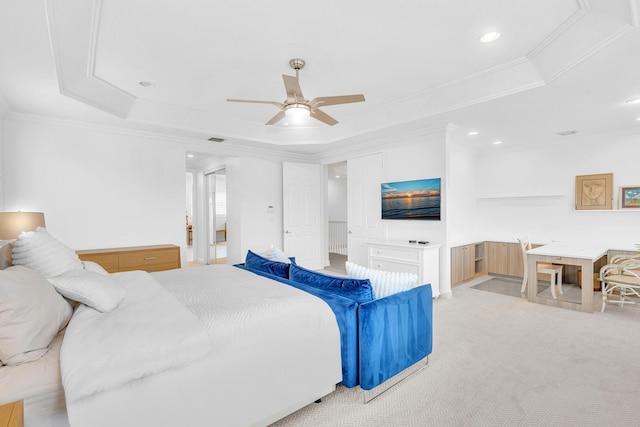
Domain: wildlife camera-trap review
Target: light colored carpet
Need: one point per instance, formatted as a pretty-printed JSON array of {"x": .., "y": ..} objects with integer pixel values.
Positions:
[{"x": 502, "y": 361}]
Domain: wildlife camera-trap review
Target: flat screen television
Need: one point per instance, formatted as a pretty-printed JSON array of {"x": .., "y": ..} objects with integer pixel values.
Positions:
[{"x": 419, "y": 199}]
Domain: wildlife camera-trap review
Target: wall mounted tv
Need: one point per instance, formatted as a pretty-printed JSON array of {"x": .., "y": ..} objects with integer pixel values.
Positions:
[{"x": 419, "y": 199}]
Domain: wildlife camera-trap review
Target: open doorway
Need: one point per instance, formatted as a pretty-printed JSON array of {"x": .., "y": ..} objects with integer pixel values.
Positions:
[
  {"x": 337, "y": 206},
  {"x": 216, "y": 190},
  {"x": 189, "y": 217}
]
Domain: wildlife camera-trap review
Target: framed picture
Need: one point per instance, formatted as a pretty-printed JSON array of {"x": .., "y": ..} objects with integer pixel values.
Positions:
[
  {"x": 594, "y": 192},
  {"x": 629, "y": 197}
]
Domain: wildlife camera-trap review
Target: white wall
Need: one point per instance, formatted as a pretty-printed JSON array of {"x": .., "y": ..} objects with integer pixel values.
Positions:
[
  {"x": 422, "y": 159},
  {"x": 102, "y": 188},
  {"x": 463, "y": 224},
  {"x": 546, "y": 174},
  {"x": 252, "y": 185},
  {"x": 98, "y": 188}
]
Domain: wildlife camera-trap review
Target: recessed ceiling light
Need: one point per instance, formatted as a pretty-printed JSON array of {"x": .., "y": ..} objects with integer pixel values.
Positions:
[
  {"x": 473, "y": 132},
  {"x": 496, "y": 142},
  {"x": 146, "y": 84},
  {"x": 638, "y": 119},
  {"x": 489, "y": 37},
  {"x": 190, "y": 156},
  {"x": 633, "y": 101}
]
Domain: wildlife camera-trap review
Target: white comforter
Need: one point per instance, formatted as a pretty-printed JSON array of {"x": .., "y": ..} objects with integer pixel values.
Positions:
[
  {"x": 271, "y": 350},
  {"x": 150, "y": 332}
]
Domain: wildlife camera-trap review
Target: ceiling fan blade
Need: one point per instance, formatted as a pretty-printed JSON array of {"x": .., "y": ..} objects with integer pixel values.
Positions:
[
  {"x": 275, "y": 119},
  {"x": 277, "y": 104},
  {"x": 323, "y": 101},
  {"x": 292, "y": 85},
  {"x": 323, "y": 117}
]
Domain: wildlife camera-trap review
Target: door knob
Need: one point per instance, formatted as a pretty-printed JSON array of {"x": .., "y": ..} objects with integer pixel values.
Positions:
[{"x": 287, "y": 232}]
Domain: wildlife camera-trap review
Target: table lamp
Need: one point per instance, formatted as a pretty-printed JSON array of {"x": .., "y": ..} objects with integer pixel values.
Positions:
[{"x": 12, "y": 224}]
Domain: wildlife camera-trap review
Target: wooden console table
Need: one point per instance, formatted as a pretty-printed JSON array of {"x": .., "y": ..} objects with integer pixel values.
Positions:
[{"x": 147, "y": 258}]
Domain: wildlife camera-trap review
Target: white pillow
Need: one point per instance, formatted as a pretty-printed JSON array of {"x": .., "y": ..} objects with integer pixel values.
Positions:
[
  {"x": 90, "y": 288},
  {"x": 384, "y": 283},
  {"x": 42, "y": 252},
  {"x": 275, "y": 254},
  {"x": 95, "y": 267},
  {"x": 31, "y": 314}
]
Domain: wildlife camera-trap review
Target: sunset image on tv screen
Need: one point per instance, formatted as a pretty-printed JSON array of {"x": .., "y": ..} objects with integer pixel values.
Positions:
[{"x": 419, "y": 199}]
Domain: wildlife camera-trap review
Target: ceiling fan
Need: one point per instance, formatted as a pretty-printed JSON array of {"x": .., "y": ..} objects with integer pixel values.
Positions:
[{"x": 296, "y": 102}]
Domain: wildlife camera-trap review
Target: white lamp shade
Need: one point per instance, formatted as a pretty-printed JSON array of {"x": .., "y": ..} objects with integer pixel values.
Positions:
[
  {"x": 14, "y": 223},
  {"x": 297, "y": 113}
]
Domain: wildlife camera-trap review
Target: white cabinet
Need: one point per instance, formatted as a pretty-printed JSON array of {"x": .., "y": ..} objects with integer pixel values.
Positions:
[{"x": 423, "y": 260}]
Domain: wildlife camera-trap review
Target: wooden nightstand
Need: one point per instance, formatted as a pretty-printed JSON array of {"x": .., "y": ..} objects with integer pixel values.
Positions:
[
  {"x": 147, "y": 258},
  {"x": 12, "y": 415}
]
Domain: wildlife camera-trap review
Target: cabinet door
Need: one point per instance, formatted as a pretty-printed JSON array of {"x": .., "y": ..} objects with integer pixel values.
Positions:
[
  {"x": 498, "y": 254},
  {"x": 462, "y": 263},
  {"x": 469, "y": 257},
  {"x": 457, "y": 264},
  {"x": 516, "y": 260}
]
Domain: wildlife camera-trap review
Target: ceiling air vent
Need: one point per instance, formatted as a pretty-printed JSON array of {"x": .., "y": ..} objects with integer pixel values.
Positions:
[{"x": 214, "y": 139}]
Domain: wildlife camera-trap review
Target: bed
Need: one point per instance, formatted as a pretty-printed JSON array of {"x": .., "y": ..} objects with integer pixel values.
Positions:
[{"x": 202, "y": 346}]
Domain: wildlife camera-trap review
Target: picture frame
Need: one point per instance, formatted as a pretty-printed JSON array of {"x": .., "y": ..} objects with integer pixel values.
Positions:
[
  {"x": 594, "y": 192},
  {"x": 629, "y": 197}
]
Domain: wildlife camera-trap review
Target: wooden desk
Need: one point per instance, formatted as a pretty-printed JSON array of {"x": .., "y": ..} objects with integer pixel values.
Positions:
[
  {"x": 581, "y": 255},
  {"x": 12, "y": 414}
]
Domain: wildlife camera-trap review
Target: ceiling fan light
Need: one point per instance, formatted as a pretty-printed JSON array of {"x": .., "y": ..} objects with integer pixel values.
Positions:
[{"x": 297, "y": 113}]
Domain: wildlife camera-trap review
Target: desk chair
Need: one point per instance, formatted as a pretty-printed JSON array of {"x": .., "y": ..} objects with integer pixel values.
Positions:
[{"x": 555, "y": 271}]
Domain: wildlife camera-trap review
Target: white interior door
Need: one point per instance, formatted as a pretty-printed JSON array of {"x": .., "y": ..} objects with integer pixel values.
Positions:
[
  {"x": 302, "y": 213},
  {"x": 364, "y": 205},
  {"x": 216, "y": 206}
]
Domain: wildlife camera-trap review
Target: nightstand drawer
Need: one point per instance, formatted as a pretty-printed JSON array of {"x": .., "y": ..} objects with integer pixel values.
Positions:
[
  {"x": 394, "y": 253},
  {"x": 146, "y": 258},
  {"x": 386, "y": 265}
]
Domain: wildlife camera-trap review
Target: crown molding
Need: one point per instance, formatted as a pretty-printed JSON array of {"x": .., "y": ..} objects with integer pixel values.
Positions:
[
  {"x": 373, "y": 142},
  {"x": 73, "y": 45},
  {"x": 577, "y": 31},
  {"x": 584, "y": 7},
  {"x": 224, "y": 149}
]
